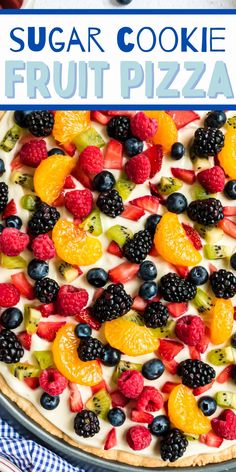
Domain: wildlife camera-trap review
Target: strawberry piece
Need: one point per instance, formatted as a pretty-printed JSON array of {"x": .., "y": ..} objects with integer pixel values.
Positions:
[
  {"x": 155, "y": 193},
  {"x": 211, "y": 439},
  {"x": 141, "y": 416},
  {"x": 200, "y": 390},
  {"x": 203, "y": 344},
  {"x": 118, "y": 399},
  {"x": 113, "y": 155},
  {"x": 171, "y": 366},
  {"x": 60, "y": 200},
  {"x": 229, "y": 211},
  {"x": 228, "y": 226},
  {"x": 69, "y": 148},
  {"x": 85, "y": 316},
  {"x": 114, "y": 249},
  {"x": 147, "y": 203},
  {"x": 153, "y": 252},
  {"x": 16, "y": 163},
  {"x": 99, "y": 117},
  {"x": 97, "y": 294},
  {"x": 169, "y": 386},
  {"x": 25, "y": 288},
  {"x": 69, "y": 182},
  {"x": 183, "y": 117},
  {"x": 46, "y": 309},
  {"x": 132, "y": 213},
  {"x": 139, "y": 304},
  {"x": 99, "y": 386},
  {"x": 123, "y": 272},
  {"x": 194, "y": 354},
  {"x": 157, "y": 298},
  {"x": 32, "y": 382},
  {"x": 186, "y": 175},
  {"x": 177, "y": 309},
  {"x": 225, "y": 375},
  {"x": 212, "y": 268},
  {"x": 111, "y": 440},
  {"x": 182, "y": 271},
  {"x": 83, "y": 178},
  {"x": 9, "y": 210},
  {"x": 193, "y": 236},
  {"x": 155, "y": 156},
  {"x": 25, "y": 339},
  {"x": 129, "y": 113},
  {"x": 75, "y": 399},
  {"x": 169, "y": 349},
  {"x": 48, "y": 330}
]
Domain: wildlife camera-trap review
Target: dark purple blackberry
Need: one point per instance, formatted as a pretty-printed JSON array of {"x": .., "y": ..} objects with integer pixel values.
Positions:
[
  {"x": 119, "y": 128},
  {"x": 112, "y": 303},
  {"x": 46, "y": 290},
  {"x": 137, "y": 248},
  {"x": 206, "y": 212},
  {"x": 43, "y": 220},
  {"x": 86, "y": 424},
  {"x": 175, "y": 289},
  {"x": 223, "y": 283},
  {"x": 195, "y": 373},
  {"x": 40, "y": 123},
  {"x": 110, "y": 203},
  {"x": 11, "y": 350},
  {"x": 3, "y": 195},
  {"x": 208, "y": 142},
  {"x": 90, "y": 349},
  {"x": 155, "y": 315},
  {"x": 173, "y": 445}
]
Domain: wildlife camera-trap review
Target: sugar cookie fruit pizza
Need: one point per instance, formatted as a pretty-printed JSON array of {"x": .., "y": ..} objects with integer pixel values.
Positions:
[{"x": 117, "y": 254}]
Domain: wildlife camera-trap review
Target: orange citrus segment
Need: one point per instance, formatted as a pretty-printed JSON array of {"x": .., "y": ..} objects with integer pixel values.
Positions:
[
  {"x": 220, "y": 321},
  {"x": 227, "y": 157},
  {"x": 167, "y": 133},
  {"x": 66, "y": 359},
  {"x": 130, "y": 338},
  {"x": 67, "y": 124},
  {"x": 74, "y": 246},
  {"x": 50, "y": 175},
  {"x": 184, "y": 412},
  {"x": 173, "y": 244}
]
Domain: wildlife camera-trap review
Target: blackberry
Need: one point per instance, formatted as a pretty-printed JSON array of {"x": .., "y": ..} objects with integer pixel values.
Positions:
[
  {"x": 10, "y": 347},
  {"x": 208, "y": 142},
  {"x": 175, "y": 289},
  {"x": 206, "y": 212},
  {"x": 44, "y": 219},
  {"x": 46, "y": 290},
  {"x": 195, "y": 373},
  {"x": 155, "y": 315},
  {"x": 3, "y": 195},
  {"x": 223, "y": 283},
  {"x": 86, "y": 424},
  {"x": 173, "y": 445},
  {"x": 40, "y": 123},
  {"x": 137, "y": 248},
  {"x": 90, "y": 349},
  {"x": 119, "y": 128},
  {"x": 110, "y": 203},
  {"x": 113, "y": 303}
]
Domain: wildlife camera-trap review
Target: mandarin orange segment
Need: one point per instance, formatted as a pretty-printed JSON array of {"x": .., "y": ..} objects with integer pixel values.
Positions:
[
  {"x": 227, "y": 157},
  {"x": 50, "y": 175},
  {"x": 67, "y": 124},
  {"x": 74, "y": 246},
  {"x": 184, "y": 412},
  {"x": 167, "y": 133},
  {"x": 220, "y": 321},
  {"x": 172, "y": 243},
  {"x": 130, "y": 338},
  {"x": 66, "y": 359}
]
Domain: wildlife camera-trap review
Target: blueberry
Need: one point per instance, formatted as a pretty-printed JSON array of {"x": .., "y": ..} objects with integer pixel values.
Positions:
[
  {"x": 13, "y": 222},
  {"x": 151, "y": 223},
  {"x": 234, "y": 373},
  {"x": 176, "y": 203},
  {"x": 233, "y": 340},
  {"x": 56, "y": 151},
  {"x": 37, "y": 269},
  {"x": 97, "y": 277},
  {"x": 116, "y": 417},
  {"x": 215, "y": 119},
  {"x": 124, "y": 2},
  {"x": 2, "y": 167},
  {"x": 198, "y": 275},
  {"x": 11, "y": 318},
  {"x": 153, "y": 369},
  {"x": 110, "y": 356},
  {"x": 233, "y": 261},
  {"x": 208, "y": 405},
  {"x": 133, "y": 146},
  {"x": 230, "y": 189},
  {"x": 83, "y": 330},
  {"x": 147, "y": 270},
  {"x": 177, "y": 151},
  {"x": 48, "y": 402},
  {"x": 160, "y": 425},
  {"x": 20, "y": 117},
  {"x": 103, "y": 181},
  {"x": 148, "y": 290}
]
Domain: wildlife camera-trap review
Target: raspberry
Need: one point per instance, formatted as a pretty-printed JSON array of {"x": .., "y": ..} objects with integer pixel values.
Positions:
[
  {"x": 33, "y": 152},
  {"x": 71, "y": 300},
  {"x": 13, "y": 241},
  {"x": 143, "y": 127},
  {"x": 193, "y": 236},
  {"x": 138, "y": 438},
  {"x": 150, "y": 399},
  {"x": 190, "y": 329},
  {"x": 91, "y": 160},
  {"x": 43, "y": 247},
  {"x": 213, "y": 180},
  {"x": 79, "y": 203},
  {"x": 225, "y": 425},
  {"x": 131, "y": 383},
  {"x": 52, "y": 382},
  {"x": 138, "y": 169},
  {"x": 9, "y": 295}
]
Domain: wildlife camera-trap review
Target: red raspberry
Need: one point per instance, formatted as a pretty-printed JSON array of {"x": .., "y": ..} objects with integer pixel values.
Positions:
[
  {"x": 193, "y": 236},
  {"x": 13, "y": 241},
  {"x": 9, "y": 295},
  {"x": 225, "y": 425},
  {"x": 33, "y": 152},
  {"x": 43, "y": 247},
  {"x": 138, "y": 169},
  {"x": 142, "y": 126},
  {"x": 131, "y": 383},
  {"x": 52, "y": 382},
  {"x": 79, "y": 203},
  {"x": 213, "y": 180},
  {"x": 91, "y": 160},
  {"x": 190, "y": 329},
  {"x": 150, "y": 400},
  {"x": 71, "y": 300},
  {"x": 138, "y": 438}
]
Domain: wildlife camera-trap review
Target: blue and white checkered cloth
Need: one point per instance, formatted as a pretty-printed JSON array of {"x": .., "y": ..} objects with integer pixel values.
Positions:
[{"x": 29, "y": 456}]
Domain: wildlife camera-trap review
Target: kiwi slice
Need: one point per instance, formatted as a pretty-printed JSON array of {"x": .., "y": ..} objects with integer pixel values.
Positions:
[
  {"x": 123, "y": 366},
  {"x": 200, "y": 163},
  {"x": 22, "y": 370},
  {"x": 192, "y": 437},
  {"x": 100, "y": 403},
  {"x": 44, "y": 359},
  {"x": 24, "y": 180},
  {"x": 210, "y": 233},
  {"x": 93, "y": 223},
  {"x": 29, "y": 202},
  {"x": 132, "y": 315},
  {"x": 231, "y": 122},
  {"x": 202, "y": 301},
  {"x": 32, "y": 319},
  {"x": 13, "y": 262},
  {"x": 67, "y": 271},
  {"x": 89, "y": 137},
  {"x": 119, "y": 234},
  {"x": 166, "y": 331},
  {"x": 124, "y": 187},
  {"x": 168, "y": 185},
  {"x": 222, "y": 356},
  {"x": 215, "y": 251},
  {"x": 10, "y": 139},
  {"x": 199, "y": 193},
  {"x": 226, "y": 399}
]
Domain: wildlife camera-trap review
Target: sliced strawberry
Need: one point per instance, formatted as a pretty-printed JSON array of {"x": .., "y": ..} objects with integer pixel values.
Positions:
[
  {"x": 183, "y": 117},
  {"x": 9, "y": 210},
  {"x": 113, "y": 155},
  {"x": 32, "y": 382},
  {"x": 194, "y": 353},
  {"x": 203, "y": 344},
  {"x": 97, "y": 293},
  {"x": 111, "y": 440},
  {"x": 228, "y": 226},
  {"x": 153, "y": 252},
  {"x": 225, "y": 375},
  {"x": 132, "y": 213},
  {"x": 48, "y": 330},
  {"x": 25, "y": 339},
  {"x": 114, "y": 249},
  {"x": 123, "y": 272},
  {"x": 199, "y": 390},
  {"x": 169, "y": 349},
  {"x": 139, "y": 303},
  {"x": 99, "y": 386},
  {"x": 99, "y": 117},
  {"x": 229, "y": 211},
  {"x": 47, "y": 309},
  {"x": 186, "y": 175},
  {"x": 157, "y": 298},
  {"x": 171, "y": 366},
  {"x": 177, "y": 309},
  {"x": 129, "y": 113},
  {"x": 169, "y": 386},
  {"x": 193, "y": 236},
  {"x": 60, "y": 201},
  {"x": 69, "y": 182},
  {"x": 69, "y": 148},
  {"x": 21, "y": 282},
  {"x": 76, "y": 403},
  {"x": 182, "y": 271},
  {"x": 147, "y": 203},
  {"x": 211, "y": 439},
  {"x": 16, "y": 163},
  {"x": 85, "y": 317},
  {"x": 118, "y": 399},
  {"x": 141, "y": 416},
  {"x": 83, "y": 178},
  {"x": 155, "y": 193},
  {"x": 212, "y": 268},
  {"x": 155, "y": 156}
]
